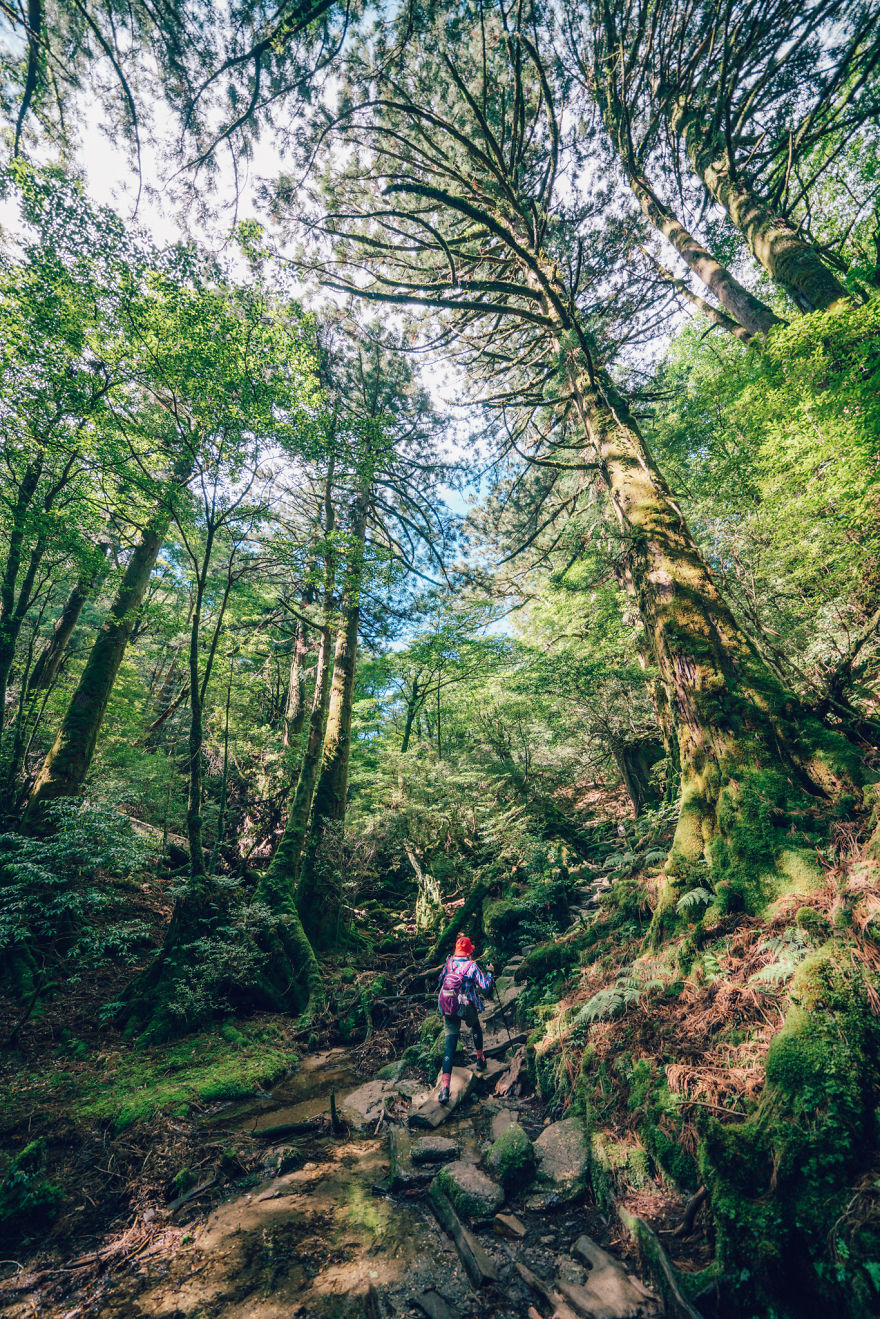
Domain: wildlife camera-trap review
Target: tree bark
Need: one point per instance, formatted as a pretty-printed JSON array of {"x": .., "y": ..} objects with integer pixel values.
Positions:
[
  {"x": 295, "y": 712},
  {"x": 55, "y": 648},
  {"x": 747, "y": 311},
  {"x": 11, "y": 612},
  {"x": 773, "y": 240},
  {"x": 413, "y": 702},
  {"x": 319, "y": 895},
  {"x": 741, "y": 736},
  {"x": 64, "y": 770}
]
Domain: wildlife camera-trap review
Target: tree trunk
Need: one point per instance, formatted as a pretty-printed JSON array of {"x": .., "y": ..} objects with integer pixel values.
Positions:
[
  {"x": 197, "y": 686},
  {"x": 11, "y": 613},
  {"x": 413, "y": 702},
  {"x": 319, "y": 895},
  {"x": 743, "y": 740},
  {"x": 290, "y": 958},
  {"x": 295, "y": 713},
  {"x": 745, "y": 309},
  {"x": 64, "y": 770},
  {"x": 55, "y": 648},
  {"x": 773, "y": 240}
]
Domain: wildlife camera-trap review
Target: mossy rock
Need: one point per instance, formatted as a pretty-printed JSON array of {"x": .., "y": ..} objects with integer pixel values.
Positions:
[
  {"x": 563, "y": 1154},
  {"x": 392, "y": 1071},
  {"x": 472, "y": 1193},
  {"x": 512, "y": 1158}
]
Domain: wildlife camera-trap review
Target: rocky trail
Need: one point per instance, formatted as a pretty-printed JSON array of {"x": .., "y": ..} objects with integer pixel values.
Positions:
[{"x": 372, "y": 1199}]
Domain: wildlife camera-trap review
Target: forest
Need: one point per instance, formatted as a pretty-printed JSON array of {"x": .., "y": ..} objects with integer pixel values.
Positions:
[{"x": 439, "y": 498}]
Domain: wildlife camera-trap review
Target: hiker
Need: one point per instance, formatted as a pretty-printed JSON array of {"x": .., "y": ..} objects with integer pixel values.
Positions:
[{"x": 459, "y": 981}]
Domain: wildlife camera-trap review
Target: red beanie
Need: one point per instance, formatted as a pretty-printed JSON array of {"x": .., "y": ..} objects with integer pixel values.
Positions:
[{"x": 463, "y": 946}]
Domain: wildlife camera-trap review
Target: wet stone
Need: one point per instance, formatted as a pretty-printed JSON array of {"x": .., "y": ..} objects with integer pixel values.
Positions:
[
  {"x": 364, "y": 1106},
  {"x": 433, "y": 1149},
  {"x": 472, "y": 1193}
]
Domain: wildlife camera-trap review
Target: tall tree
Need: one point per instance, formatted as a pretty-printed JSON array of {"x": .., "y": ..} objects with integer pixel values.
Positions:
[
  {"x": 465, "y": 137},
  {"x": 743, "y": 95}
]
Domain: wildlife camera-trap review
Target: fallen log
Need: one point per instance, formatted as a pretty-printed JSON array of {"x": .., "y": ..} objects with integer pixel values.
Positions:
[{"x": 478, "y": 1266}]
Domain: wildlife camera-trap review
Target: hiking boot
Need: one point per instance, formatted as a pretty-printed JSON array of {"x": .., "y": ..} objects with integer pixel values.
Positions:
[
  {"x": 480, "y": 1064},
  {"x": 443, "y": 1097}
]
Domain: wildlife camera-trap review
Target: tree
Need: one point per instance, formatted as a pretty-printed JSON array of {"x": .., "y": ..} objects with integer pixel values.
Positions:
[
  {"x": 746, "y": 96},
  {"x": 473, "y": 227}
]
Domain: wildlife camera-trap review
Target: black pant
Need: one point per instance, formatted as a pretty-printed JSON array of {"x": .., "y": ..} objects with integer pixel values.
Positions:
[{"x": 452, "y": 1025}]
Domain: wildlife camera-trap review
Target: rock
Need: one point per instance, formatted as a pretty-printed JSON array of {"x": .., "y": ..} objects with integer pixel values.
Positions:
[
  {"x": 563, "y": 1154},
  {"x": 508, "y": 1225},
  {"x": 281, "y": 1161},
  {"x": 434, "y": 1306},
  {"x": 512, "y": 1158},
  {"x": 426, "y": 1112},
  {"x": 392, "y": 1072},
  {"x": 608, "y": 1292},
  {"x": 501, "y": 1120},
  {"x": 364, "y": 1106},
  {"x": 433, "y": 1149},
  {"x": 494, "y": 1070},
  {"x": 473, "y": 1194}
]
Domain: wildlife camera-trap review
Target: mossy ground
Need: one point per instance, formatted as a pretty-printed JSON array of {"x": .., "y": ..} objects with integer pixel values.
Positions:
[{"x": 734, "y": 1044}]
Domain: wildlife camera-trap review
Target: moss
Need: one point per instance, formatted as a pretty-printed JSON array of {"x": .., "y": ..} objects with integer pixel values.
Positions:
[
  {"x": 617, "y": 1167},
  {"x": 512, "y": 1158},
  {"x": 780, "y": 1181},
  {"x": 28, "y": 1200},
  {"x": 472, "y": 1193},
  {"x": 813, "y": 923},
  {"x": 136, "y": 1084}
]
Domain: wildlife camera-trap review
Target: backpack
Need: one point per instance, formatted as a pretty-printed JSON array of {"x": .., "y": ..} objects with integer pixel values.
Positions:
[{"x": 454, "y": 984}]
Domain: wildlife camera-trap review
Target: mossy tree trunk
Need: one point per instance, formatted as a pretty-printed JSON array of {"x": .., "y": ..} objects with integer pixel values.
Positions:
[
  {"x": 295, "y": 710},
  {"x": 752, "y": 757},
  {"x": 773, "y": 240},
  {"x": 319, "y": 895},
  {"x": 53, "y": 652},
  {"x": 64, "y": 770},
  {"x": 746, "y": 311},
  {"x": 290, "y": 959},
  {"x": 12, "y": 605}
]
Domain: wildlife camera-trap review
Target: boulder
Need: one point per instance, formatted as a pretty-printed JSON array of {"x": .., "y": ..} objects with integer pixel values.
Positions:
[
  {"x": 433, "y": 1149},
  {"x": 563, "y": 1156},
  {"x": 472, "y": 1193},
  {"x": 364, "y": 1106},
  {"x": 512, "y": 1158}
]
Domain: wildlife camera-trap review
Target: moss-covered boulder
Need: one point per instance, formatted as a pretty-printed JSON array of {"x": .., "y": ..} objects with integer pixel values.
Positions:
[
  {"x": 512, "y": 1158},
  {"x": 472, "y": 1193},
  {"x": 562, "y": 1152}
]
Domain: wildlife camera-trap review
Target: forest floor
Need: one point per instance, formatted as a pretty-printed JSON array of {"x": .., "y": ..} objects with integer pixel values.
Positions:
[{"x": 174, "y": 1204}]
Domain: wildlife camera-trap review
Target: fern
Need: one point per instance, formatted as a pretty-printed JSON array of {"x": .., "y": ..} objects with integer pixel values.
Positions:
[
  {"x": 688, "y": 900},
  {"x": 615, "y": 999},
  {"x": 607, "y": 1003}
]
